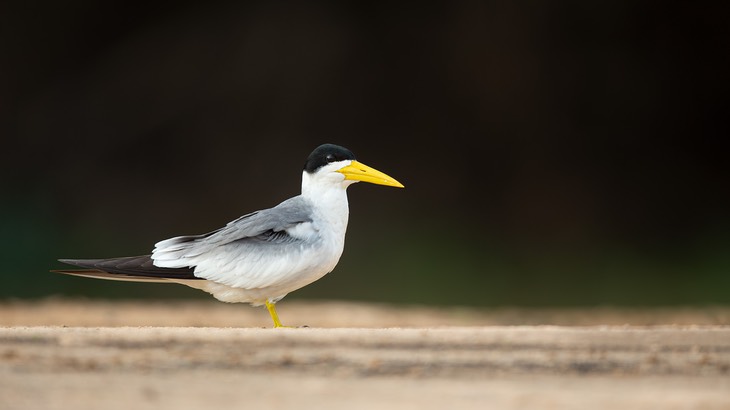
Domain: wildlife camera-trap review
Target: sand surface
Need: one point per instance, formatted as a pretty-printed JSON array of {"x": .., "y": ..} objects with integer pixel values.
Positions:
[{"x": 58, "y": 354}]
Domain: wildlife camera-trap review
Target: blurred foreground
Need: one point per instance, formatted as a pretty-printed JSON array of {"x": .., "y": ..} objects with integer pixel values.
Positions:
[
  {"x": 76, "y": 354},
  {"x": 435, "y": 365}
]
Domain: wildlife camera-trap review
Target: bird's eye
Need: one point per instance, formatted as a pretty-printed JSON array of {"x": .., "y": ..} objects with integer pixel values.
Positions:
[{"x": 330, "y": 158}]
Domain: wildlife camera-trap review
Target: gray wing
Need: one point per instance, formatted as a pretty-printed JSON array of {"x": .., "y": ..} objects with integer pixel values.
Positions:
[{"x": 268, "y": 225}]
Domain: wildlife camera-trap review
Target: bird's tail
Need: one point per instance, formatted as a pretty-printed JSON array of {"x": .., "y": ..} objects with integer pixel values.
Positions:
[{"x": 132, "y": 268}]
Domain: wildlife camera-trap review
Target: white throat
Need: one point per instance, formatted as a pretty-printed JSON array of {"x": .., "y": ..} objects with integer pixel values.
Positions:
[{"x": 327, "y": 192}]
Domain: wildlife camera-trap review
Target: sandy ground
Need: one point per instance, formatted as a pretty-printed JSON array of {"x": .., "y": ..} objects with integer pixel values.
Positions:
[{"x": 58, "y": 354}]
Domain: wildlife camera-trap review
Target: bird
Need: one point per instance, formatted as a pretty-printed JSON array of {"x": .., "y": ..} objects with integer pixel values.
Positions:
[{"x": 261, "y": 256}]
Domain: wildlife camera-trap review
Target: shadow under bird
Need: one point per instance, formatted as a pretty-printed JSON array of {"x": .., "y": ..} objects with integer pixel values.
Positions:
[{"x": 262, "y": 256}]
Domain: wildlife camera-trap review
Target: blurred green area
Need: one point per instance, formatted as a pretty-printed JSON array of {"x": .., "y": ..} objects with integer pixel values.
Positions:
[{"x": 405, "y": 262}]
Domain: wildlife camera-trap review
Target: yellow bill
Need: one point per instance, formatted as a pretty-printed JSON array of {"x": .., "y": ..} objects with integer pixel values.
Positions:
[{"x": 357, "y": 171}]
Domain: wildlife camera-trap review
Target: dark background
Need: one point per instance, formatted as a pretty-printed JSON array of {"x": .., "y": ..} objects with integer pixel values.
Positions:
[{"x": 557, "y": 153}]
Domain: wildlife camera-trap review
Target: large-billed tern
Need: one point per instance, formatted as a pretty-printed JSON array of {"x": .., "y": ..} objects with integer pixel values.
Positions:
[{"x": 262, "y": 256}]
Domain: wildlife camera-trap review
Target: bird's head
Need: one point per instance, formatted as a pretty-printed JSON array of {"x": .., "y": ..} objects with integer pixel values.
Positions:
[{"x": 332, "y": 164}]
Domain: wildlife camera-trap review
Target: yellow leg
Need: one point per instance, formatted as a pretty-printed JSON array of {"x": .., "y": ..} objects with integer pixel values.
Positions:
[{"x": 272, "y": 311}]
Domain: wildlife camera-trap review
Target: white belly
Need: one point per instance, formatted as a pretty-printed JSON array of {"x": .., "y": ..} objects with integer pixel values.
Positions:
[{"x": 271, "y": 277}]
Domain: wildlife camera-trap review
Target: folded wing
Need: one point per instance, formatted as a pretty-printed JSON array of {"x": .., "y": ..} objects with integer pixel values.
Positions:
[{"x": 267, "y": 224}]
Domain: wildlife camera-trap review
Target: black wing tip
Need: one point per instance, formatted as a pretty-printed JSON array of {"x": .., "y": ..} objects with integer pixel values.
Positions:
[
  {"x": 108, "y": 265},
  {"x": 89, "y": 262},
  {"x": 82, "y": 263},
  {"x": 128, "y": 266}
]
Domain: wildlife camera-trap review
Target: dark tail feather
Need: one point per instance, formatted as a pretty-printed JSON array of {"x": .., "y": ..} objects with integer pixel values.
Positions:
[{"x": 136, "y": 268}]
